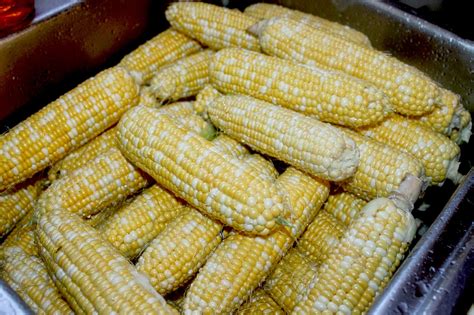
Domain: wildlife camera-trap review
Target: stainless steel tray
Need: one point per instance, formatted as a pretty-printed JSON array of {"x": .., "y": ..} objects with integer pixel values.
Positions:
[{"x": 54, "y": 54}]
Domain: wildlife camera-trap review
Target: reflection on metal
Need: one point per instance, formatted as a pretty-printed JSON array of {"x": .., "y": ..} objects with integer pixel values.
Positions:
[
  {"x": 46, "y": 9},
  {"x": 10, "y": 302}
]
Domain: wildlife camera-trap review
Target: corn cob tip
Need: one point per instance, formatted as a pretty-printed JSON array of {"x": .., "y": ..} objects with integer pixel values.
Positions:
[
  {"x": 452, "y": 173},
  {"x": 466, "y": 133},
  {"x": 257, "y": 28},
  {"x": 461, "y": 131}
]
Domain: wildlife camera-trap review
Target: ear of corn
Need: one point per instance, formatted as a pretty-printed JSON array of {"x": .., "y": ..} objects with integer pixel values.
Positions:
[
  {"x": 381, "y": 168},
  {"x": 323, "y": 151},
  {"x": 290, "y": 279},
  {"x": 260, "y": 303},
  {"x": 215, "y": 27},
  {"x": 177, "y": 253},
  {"x": 183, "y": 78},
  {"x": 65, "y": 124},
  {"x": 438, "y": 154},
  {"x": 362, "y": 263},
  {"x": 204, "y": 98},
  {"x": 27, "y": 275},
  {"x": 344, "y": 206},
  {"x": 106, "y": 180},
  {"x": 136, "y": 224},
  {"x": 162, "y": 49},
  {"x": 268, "y": 10},
  {"x": 410, "y": 91},
  {"x": 16, "y": 204},
  {"x": 240, "y": 263},
  {"x": 190, "y": 166},
  {"x": 329, "y": 96},
  {"x": 89, "y": 272},
  {"x": 84, "y": 155},
  {"x": 320, "y": 237}
]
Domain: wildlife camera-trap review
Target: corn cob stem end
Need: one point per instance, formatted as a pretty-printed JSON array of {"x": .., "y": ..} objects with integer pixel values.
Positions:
[
  {"x": 452, "y": 172},
  {"x": 407, "y": 193},
  {"x": 466, "y": 133}
]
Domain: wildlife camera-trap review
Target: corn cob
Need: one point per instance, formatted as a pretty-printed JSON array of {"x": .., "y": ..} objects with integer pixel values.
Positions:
[
  {"x": 240, "y": 263},
  {"x": 84, "y": 155},
  {"x": 442, "y": 119},
  {"x": 410, "y": 91},
  {"x": 204, "y": 98},
  {"x": 183, "y": 78},
  {"x": 310, "y": 145},
  {"x": 344, "y": 207},
  {"x": 65, "y": 124},
  {"x": 320, "y": 237},
  {"x": 162, "y": 49},
  {"x": 136, "y": 224},
  {"x": 361, "y": 264},
  {"x": 177, "y": 253},
  {"x": 147, "y": 98},
  {"x": 260, "y": 303},
  {"x": 288, "y": 283},
  {"x": 267, "y": 11},
  {"x": 463, "y": 133},
  {"x": 329, "y": 96},
  {"x": 15, "y": 204},
  {"x": 191, "y": 167},
  {"x": 381, "y": 168},
  {"x": 92, "y": 276},
  {"x": 25, "y": 272},
  {"x": 108, "y": 179},
  {"x": 213, "y": 26},
  {"x": 438, "y": 154}
]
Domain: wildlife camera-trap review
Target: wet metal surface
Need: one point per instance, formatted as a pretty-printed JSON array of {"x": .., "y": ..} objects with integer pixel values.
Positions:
[{"x": 10, "y": 302}]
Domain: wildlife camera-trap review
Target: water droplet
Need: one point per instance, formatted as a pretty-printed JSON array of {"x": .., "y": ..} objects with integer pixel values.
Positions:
[{"x": 421, "y": 289}]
